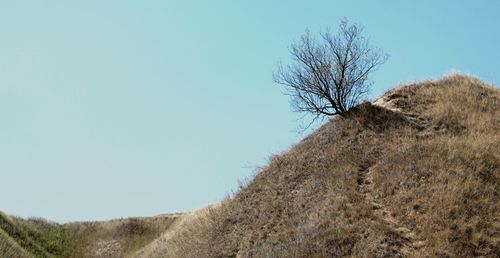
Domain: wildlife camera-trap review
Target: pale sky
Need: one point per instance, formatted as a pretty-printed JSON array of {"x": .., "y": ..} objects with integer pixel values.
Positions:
[{"x": 136, "y": 108}]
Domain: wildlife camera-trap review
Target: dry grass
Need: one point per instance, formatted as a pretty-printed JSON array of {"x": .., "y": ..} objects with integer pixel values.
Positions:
[
  {"x": 116, "y": 238},
  {"x": 416, "y": 174},
  {"x": 417, "y": 177},
  {"x": 190, "y": 224}
]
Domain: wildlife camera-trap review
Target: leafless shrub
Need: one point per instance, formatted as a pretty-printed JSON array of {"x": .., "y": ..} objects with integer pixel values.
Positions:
[{"x": 330, "y": 76}]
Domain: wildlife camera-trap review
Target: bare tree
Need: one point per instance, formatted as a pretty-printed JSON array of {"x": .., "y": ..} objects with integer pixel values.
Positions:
[{"x": 330, "y": 76}]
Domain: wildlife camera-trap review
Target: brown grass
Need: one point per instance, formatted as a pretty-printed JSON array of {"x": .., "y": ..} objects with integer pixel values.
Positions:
[
  {"x": 116, "y": 238},
  {"x": 415, "y": 174},
  {"x": 417, "y": 177},
  {"x": 191, "y": 224}
]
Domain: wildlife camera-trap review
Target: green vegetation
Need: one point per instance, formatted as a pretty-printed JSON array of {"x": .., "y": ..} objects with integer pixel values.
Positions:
[
  {"x": 116, "y": 238},
  {"x": 35, "y": 237}
]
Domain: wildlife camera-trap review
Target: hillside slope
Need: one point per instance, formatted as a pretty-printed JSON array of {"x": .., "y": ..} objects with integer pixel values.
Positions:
[
  {"x": 416, "y": 174},
  {"x": 118, "y": 237},
  {"x": 9, "y": 247},
  {"x": 34, "y": 237},
  {"x": 25, "y": 238}
]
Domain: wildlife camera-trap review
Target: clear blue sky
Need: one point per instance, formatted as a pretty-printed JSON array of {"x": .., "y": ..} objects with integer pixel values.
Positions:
[{"x": 126, "y": 108}]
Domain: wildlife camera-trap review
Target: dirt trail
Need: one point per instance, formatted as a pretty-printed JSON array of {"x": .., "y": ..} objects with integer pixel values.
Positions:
[
  {"x": 390, "y": 101},
  {"x": 410, "y": 242}
]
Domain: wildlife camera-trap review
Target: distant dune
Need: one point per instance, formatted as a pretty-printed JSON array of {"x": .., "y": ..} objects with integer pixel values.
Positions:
[{"x": 414, "y": 174}]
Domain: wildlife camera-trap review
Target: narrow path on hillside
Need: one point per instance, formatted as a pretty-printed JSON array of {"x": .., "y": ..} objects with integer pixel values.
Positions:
[{"x": 410, "y": 242}]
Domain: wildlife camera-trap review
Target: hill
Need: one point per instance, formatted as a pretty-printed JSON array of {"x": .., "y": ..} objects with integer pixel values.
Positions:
[
  {"x": 115, "y": 238},
  {"x": 414, "y": 174}
]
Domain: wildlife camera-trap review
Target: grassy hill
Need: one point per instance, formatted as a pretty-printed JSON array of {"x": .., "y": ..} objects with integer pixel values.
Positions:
[
  {"x": 34, "y": 237},
  {"x": 414, "y": 174},
  {"x": 115, "y": 238}
]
